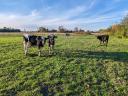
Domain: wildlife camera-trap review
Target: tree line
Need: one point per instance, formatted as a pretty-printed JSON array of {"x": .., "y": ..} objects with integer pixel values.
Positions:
[
  {"x": 119, "y": 30},
  {"x": 61, "y": 29},
  {"x": 6, "y": 29}
]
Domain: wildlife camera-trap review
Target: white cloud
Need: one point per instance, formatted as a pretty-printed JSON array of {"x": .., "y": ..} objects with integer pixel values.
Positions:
[
  {"x": 35, "y": 13},
  {"x": 44, "y": 17},
  {"x": 36, "y": 18},
  {"x": 27, "y": 21}
]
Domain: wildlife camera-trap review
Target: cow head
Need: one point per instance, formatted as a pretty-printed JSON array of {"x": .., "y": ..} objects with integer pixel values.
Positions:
[
  {"x": 51, "y": 39},
  {"x": 98, "y": 37},
  {"x": 41, "y": 40}
]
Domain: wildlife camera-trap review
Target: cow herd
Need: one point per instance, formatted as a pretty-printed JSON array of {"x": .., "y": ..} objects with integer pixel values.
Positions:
[{"x": 40, "y": 41}]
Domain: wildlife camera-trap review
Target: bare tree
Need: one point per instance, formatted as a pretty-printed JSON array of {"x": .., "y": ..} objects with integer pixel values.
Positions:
[
  {"x": 42, "y": 29},
  {"x": 61, "y": 29},
  {"x": 76, "y": 29}
]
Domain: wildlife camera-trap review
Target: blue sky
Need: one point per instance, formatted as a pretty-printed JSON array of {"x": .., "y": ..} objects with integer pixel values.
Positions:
[{"x": 86, "y": 14}]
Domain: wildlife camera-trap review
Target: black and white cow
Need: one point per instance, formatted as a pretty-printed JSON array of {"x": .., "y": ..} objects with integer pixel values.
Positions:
[
  {"x": 67, "y": 34},
  {"x": 32, "y": 40},
  {"x": 103, "y": 39},
  {"x": 51, "y": 42}
]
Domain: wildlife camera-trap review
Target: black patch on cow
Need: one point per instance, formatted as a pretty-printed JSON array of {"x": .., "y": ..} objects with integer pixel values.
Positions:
[{"x": 35, "y": 40}]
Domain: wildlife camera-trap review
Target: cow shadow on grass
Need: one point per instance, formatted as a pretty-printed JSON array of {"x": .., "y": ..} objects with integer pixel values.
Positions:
[
  {"x": 116, "y": 56},
  {"x": 44, "y": 53},
  {"x": 68, "y": 53}
]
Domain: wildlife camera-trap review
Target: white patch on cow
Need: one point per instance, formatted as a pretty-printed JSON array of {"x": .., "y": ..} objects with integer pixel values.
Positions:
[{"x": 26, "y": 36}]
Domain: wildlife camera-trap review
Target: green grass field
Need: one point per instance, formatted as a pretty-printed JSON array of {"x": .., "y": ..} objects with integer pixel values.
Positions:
[{"x": 78, "y": 67}]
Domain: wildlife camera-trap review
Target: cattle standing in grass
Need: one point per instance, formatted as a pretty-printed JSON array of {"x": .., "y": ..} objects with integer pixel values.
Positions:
[
  {"x": 103, "y": 39},
  {"x": 32, "y": 40},
  {"x": 67, "y": 34},
  {"x": 51, "y": 42}
]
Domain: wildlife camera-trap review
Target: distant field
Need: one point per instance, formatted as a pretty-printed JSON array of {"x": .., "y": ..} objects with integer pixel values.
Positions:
[
  {"x": 20, "y": 33},
  {"x": 79, "y": 67}
]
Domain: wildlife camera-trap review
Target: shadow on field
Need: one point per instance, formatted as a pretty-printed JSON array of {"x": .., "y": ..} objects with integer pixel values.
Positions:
[
  {"x": 116, "y": 56},
  {"x": 44, "y": 53},
  {"x": 68, "y": 53}
]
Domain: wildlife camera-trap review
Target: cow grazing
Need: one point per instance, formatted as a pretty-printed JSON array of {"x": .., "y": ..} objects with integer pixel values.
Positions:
[
  {"x": 32, "y": 40},
  {"x": 51, "y": 42},
  {"x": 103, "y": 39},
  {"x": 67, "y": 34}
]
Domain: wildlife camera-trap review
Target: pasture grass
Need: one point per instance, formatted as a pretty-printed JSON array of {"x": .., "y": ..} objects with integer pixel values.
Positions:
[{"x": 78, "y": 67}]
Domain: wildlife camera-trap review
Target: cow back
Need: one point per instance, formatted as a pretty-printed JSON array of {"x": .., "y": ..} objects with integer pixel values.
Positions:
[{"x": 33, "y": 40}]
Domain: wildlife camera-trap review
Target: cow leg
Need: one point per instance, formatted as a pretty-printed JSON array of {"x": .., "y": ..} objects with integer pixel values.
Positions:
[
  {"x": 26, "y": 44},
  {"x": 106, "y": 43},
  {"x": 26, "y": 50},
  {"x": 103, "y": 43},
  {"x": 100, "y": 43},
  {"x": 50, "y": 49},
  {"x": 39, "y": 51},
  {"x": 39, "y": 54},
  {"x": 53, "y": 47}
]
